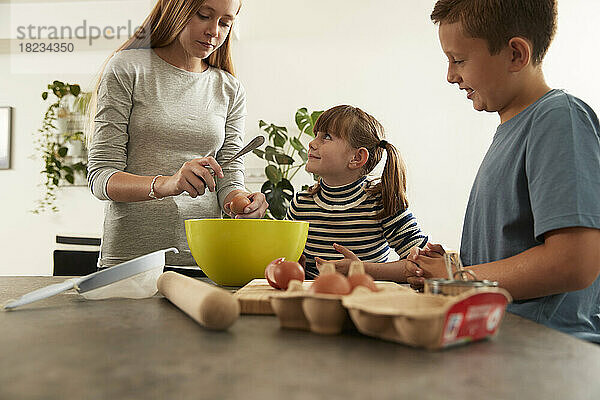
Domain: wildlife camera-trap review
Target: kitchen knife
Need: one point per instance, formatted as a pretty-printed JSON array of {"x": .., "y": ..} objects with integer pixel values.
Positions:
[{"x": 97, "y": 279}]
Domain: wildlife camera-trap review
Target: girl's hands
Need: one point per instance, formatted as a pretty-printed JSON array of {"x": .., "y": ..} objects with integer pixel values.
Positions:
[
  {"x": 193, "y": 177},
  {"x": 341, "y": 266},
  {"x": 430, "y": 260},
  {"x": 256, "y": 209},
  {"x": 397, "y": 270}
]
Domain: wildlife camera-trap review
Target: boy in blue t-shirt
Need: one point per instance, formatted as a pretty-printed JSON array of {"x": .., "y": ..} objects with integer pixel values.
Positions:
[{"x": 533, "y": 218}]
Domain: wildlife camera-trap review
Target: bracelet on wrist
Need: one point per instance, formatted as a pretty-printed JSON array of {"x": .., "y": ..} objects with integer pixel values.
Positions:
[{"x": 152, "y": 194}]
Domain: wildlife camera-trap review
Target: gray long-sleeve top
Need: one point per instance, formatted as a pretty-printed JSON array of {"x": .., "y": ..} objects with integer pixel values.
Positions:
[{"x": 151, "y": 118}]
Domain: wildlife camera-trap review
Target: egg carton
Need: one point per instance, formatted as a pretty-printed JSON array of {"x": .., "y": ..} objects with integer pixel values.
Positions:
[
  {"x": 298, "y": 308},
  {"x": 402, "y": 316}
]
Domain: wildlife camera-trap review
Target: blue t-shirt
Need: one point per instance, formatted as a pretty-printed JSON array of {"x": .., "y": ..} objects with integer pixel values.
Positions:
[{"x": 541, "y": 172}]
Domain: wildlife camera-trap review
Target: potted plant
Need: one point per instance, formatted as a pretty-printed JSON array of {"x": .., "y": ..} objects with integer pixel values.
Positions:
[
  {"x": 60, "y": 141},
  {"x": 285, "y": 156}
]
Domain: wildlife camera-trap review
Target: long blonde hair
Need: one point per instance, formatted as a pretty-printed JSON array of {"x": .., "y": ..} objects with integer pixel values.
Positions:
[
  {"x": 163, "y": 25},
  {"x": 360, "y": 129}
]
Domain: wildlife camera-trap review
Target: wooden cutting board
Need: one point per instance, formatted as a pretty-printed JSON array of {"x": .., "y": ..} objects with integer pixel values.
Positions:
[{"x": 254, "y": 298}]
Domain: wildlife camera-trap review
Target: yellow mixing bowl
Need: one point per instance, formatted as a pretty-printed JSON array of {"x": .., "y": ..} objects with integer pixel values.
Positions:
[{"x": 232, "y": 252}]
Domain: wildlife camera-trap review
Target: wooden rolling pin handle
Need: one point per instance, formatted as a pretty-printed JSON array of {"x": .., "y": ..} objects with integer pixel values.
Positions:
[{"x": 210, "y": 306}]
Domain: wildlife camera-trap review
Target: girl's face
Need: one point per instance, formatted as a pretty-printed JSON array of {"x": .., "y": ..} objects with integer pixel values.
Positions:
[
  {"x": 208, "y": 29},
  {"x": 329, "y": 157}
]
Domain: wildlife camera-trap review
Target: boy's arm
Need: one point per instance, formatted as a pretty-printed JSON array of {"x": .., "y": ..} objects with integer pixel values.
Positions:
[{"x": 568, "y": 260}]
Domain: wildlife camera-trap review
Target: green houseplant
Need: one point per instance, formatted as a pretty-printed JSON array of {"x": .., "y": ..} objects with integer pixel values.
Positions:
[
  {"x": 58, "y": 138},
  {"x": 285, "y": 155}
]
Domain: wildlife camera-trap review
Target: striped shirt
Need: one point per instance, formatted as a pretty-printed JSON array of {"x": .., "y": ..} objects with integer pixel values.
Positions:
[{"x": 346, "y": 215}]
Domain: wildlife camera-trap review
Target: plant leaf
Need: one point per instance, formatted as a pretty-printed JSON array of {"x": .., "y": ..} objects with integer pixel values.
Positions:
[
  {"x": 302, "y": 119},
  {"x": 273, "y": 174},
  {"x": 44, "y": 95},
  {"x": 313, "y": 120},
  {"x": 70, "y": 178},
  {"x": 296, "y": 144},
  {"x": 306, "y": 122},
  {"x": 62, "y": 151},
  {"x": 75, "y": 90},
  {"x": 282, "y": 129},
  {"x": 270, "y": 152},
  {"x": 315, "y": 116},
  {"x": 279, "y": 139},
  {"x": 259, "y": 153},
  {"x": 304, "y": 156},
  {"x": 278, "y": 196},
  {"x": 284, "y": 159}
]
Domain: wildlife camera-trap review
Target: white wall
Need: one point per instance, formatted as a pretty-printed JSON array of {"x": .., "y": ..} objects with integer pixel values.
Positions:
[
  {"x": 27, "y": 240},
  {"x": 382, "y": 56}
]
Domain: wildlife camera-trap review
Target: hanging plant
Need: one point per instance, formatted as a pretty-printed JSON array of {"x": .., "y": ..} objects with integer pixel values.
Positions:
[{"x": 53, "y": 144}]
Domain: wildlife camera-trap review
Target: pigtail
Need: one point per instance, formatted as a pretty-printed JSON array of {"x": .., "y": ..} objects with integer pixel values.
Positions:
[
  {"x": 393, "y": 183},
  {"x": 314, "y": 189}
]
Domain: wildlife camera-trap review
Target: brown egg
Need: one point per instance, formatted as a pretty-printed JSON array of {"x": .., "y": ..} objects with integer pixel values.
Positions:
[
  {"x": 330, "y": 282},
  {"x": 358, "y": 277},
  {"x": 280, "y": 272},
  {"x": 285, "y": 271},
  {"x": 362, "y": 280},
  {"x": 269, "y": 273},
  {"x": 239, "y": 202}
]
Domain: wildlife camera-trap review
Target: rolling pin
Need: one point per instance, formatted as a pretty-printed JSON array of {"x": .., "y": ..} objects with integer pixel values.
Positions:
[{"x": 210, "y": 306}]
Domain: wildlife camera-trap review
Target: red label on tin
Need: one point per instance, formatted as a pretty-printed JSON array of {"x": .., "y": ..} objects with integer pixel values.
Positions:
[{"x": 473, "y": 318}]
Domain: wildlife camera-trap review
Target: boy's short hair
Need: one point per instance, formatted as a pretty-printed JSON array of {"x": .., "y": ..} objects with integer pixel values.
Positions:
[{"x": 498, "y": 21}]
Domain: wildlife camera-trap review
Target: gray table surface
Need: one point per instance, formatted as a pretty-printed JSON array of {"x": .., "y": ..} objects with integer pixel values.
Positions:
[{"x": 66, "y": 347}]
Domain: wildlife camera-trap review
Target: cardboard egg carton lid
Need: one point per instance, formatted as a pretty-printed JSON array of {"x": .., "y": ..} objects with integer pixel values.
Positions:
[
  {"x": 402, "y": 316},
  {"x": 430, "y": 321}
]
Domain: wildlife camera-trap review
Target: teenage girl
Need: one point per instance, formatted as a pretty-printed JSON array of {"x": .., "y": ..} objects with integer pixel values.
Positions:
[
  {"x": 352, "y": 217},
  {"x": 167, "y": 110}
]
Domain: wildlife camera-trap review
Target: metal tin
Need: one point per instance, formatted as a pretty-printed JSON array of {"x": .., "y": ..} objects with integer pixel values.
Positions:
[{"x": 454, "y": 287}]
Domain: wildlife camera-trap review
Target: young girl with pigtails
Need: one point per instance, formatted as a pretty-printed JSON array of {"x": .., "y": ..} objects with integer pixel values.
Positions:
[{"x": 351, "y": 216}]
